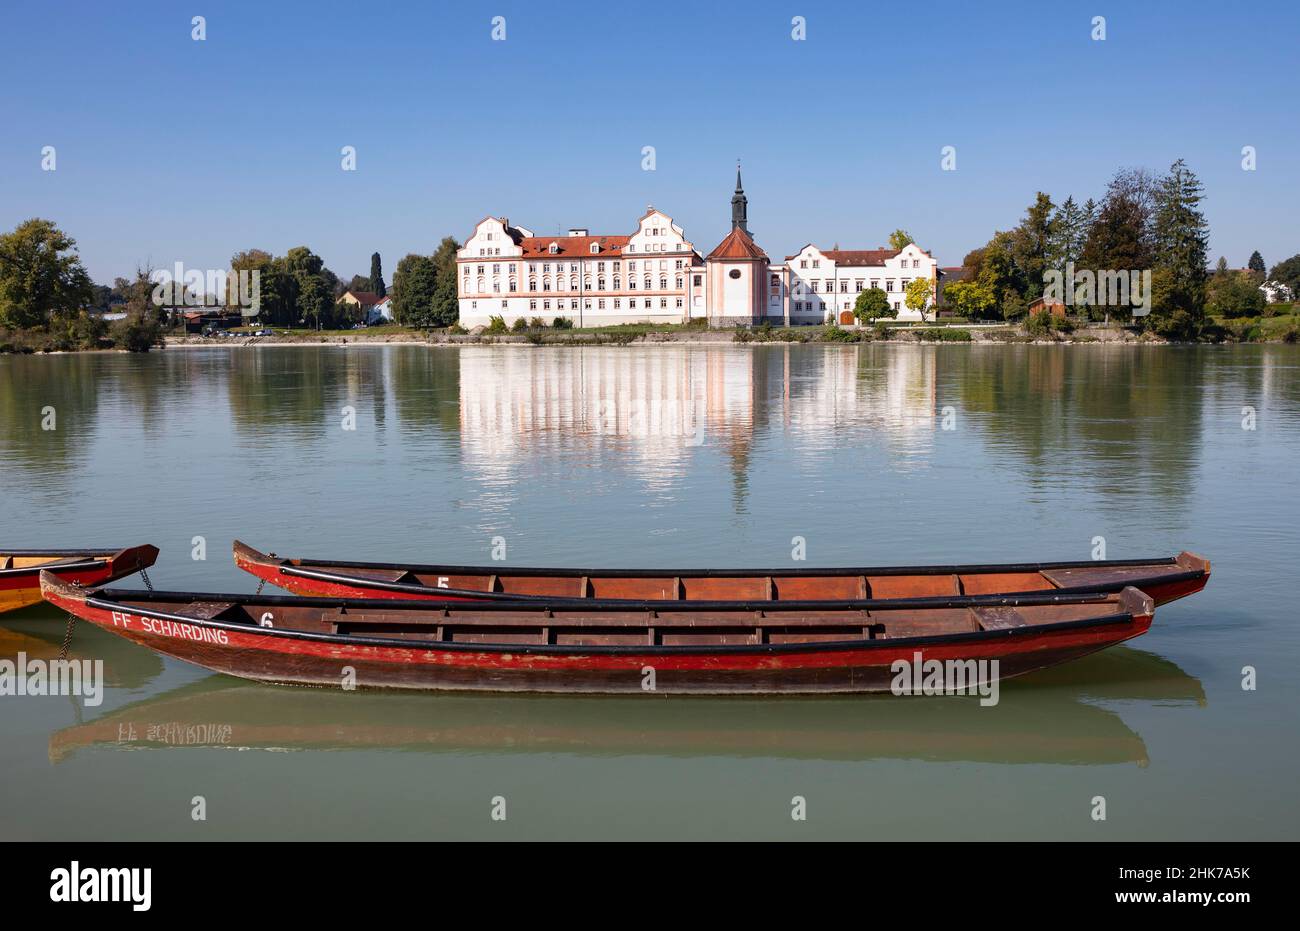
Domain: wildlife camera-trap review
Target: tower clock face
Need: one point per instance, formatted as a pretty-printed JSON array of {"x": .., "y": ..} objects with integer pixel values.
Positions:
[{"x": 734, "y": 273}]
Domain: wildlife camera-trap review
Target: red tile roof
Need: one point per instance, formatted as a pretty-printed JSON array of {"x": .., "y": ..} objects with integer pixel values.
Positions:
[
  {"x": 538, "y": 247},
  {"x": 737, "y": 245},
  {"x": 366, "y": 298},
  {"x": 860, "y": 256}
]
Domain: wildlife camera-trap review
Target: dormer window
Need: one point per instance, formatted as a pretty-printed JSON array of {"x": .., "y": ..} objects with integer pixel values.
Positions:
[
  {"x": 594, "y": 248},
  {"x": 553, "y": 249}
]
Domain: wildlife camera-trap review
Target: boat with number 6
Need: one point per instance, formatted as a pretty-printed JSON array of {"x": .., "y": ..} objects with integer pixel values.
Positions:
[
  {"x": 20, "y": 570},
  {"x": 1164, "y": 579},
  {"x": 734, "y": 647}
]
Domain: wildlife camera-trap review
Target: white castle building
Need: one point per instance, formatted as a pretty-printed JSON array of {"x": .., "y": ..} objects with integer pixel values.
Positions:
[{"x": 656, "y": 275}]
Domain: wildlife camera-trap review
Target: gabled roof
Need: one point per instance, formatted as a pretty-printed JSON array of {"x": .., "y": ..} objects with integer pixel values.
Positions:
[
  {"x": 737, "y": 245},
  {"x": 366, "y": 298}
]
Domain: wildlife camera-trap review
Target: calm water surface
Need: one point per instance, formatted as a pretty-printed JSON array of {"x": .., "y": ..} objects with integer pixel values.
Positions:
[{"x": 681, "y": 456}]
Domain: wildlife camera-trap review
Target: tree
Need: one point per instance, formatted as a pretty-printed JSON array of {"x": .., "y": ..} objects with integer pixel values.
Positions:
[
  {"x": 359, "y": 283},
  {"x": 918, "y": 295},
  {"x": 446, "y": 301},
  {"x": 900, "y": 239},
  {"x": 872, "y": 304},
  {"x": 970, "y": 299},
  {"x": 1180, "y": 239},
  {"x": 1069, "y": 230},
  {"x": 1120, "y": 237},
  {"x": 415, "y": 282},
  {"x": 1002, "y": 277},
  {"x": 142, "y": 328},
  {"x": 1287, "y": 273},
  {"x": 1256, "y": 264},
  {"x": 250, "y": 260},
  {"x": 41, "y": 276},
  {"x": 1235, "y": 294},
  {"x": 1031, "y": 244},
  {"x": 377, "y": 276}
]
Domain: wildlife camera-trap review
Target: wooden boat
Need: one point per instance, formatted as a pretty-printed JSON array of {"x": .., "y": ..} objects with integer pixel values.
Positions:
[
  {"x": 20, "y": 570},
  {"x": 1162, "y": 579},
  {"x": 689, "y": 648}
]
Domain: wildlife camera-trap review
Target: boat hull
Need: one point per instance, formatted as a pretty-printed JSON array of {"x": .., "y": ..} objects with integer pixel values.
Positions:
[
  {"x": 287, "y": 656},
  {"x": 20, "y": 583},
  {"x": 1164, "y": 580}
]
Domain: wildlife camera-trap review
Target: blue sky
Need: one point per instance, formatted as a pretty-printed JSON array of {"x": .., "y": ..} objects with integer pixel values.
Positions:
[{"x": 174, "y": 150}]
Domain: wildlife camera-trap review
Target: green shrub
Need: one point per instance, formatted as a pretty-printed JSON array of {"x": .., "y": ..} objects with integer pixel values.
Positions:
[
  {"x": 496, "y": 324},
  {"x": 537, "y": 323},
  {"x": 562, "y": 323},
  {"x": 457, "y": 330},
  {"x": 837, "y": 334}
]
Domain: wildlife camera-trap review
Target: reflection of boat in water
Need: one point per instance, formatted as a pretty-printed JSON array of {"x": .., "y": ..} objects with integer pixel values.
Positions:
[{"x": 1048, "y": 718}]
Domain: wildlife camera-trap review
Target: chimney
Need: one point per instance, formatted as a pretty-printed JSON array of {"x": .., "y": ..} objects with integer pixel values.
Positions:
[{"x": 577, "y": 232}]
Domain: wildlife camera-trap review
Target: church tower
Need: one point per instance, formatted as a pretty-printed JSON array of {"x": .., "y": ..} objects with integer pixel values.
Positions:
[
  {"x": 736, "y": 271},
  {"x": 739, "y": 205}
]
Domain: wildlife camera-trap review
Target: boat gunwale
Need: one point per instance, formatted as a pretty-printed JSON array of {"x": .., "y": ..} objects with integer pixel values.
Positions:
[
  {"x": 68, "y": 567},
  {"x": 805, "y": 572},
  {"x": 100, "y": 599},
  {"x": 484, "y": 596}
]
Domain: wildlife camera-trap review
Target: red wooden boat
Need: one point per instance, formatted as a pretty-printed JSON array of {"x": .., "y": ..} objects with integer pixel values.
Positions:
[
  {"x": 689, "y": 648},
  {"x": 1163, "y": 579},
  {"x": 20, "y": 583}
]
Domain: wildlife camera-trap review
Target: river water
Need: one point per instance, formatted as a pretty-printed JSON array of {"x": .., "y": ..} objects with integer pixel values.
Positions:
[{"x": 666, "y": 456}]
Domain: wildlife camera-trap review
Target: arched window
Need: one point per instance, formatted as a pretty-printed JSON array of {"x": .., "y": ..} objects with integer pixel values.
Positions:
[
  {"x": 514, "y": 285},
  {"x": 532, "y": 284},
  {"x": 600, "y": 284},
  {"x": 679, "y": 281},
  {"x": 573, "y": 284},
  {"x": 616, "y": 284},
  {"x": 663, "y": 284},
  {"x": 482, "y": 285}
]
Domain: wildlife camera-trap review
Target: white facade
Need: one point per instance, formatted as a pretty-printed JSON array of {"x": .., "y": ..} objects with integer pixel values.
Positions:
[
  {"x": 827, "y": 281},
  {"x": 656, "y": 275},
  {"x": 597, "y": 280}
]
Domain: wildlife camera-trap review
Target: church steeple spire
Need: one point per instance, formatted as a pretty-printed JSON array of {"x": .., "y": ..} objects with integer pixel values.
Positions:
[{"x": 739, "y": 204}]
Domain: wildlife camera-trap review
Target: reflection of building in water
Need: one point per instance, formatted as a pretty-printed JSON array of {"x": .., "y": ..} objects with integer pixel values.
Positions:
[
  {"x": 890, "y": 390},
  {"x": 653, "y": 406}
]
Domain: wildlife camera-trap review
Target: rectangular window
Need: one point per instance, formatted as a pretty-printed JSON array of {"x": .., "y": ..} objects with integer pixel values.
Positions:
[{"x": 889, "y": 284}]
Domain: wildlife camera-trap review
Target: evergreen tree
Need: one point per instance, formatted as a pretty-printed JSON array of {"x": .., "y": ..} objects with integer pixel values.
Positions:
[
  {"x": 377, "y": 276},
  {"x": 1256, "y": 264},
  {"x": 1069, "y": 230},
  {"x": 1180, "y": 238},
  {"x": 1031, "y": 244}
]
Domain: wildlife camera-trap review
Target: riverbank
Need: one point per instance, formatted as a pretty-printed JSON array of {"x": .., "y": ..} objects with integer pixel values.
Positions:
[{"x": 1281, "y": 330}]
